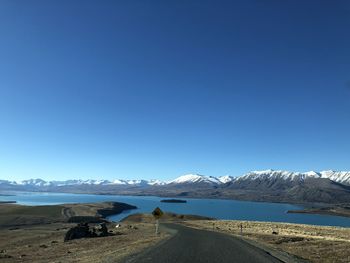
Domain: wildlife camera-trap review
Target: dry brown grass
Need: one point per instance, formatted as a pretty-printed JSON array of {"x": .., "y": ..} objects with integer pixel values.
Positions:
[
  {"x": 36, "y": 234},
  {"x": 45, "y": 244},
  {"x": 167, "y": 217},
  {"x": 314, "y": 243},
  {"x": 20, "y": 215},
  {"x": 12, "y": 214}
]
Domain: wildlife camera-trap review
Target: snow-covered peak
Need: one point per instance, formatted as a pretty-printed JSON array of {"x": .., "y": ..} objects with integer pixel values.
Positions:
[
  {"x": 260, "y": 172},
  {"x": 266, "y": 174},
  {"x": 313, "y": 174},
  {"x": 120, "y": 182},
  {"x": 278, "y": 174},
  {"x": 340, "y": 177},
  {"x": 195, "y": 178},
  {"x": 95, "y": 182},
  {"x": 226, "y": 179},
  {"x": 137, "y": 182},
  {"x": 156, "y": 182},
  {"x": 34, "y": 182}
]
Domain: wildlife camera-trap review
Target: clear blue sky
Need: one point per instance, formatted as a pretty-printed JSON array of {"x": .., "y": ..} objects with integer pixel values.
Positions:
[{"x": 156, "y": 89}]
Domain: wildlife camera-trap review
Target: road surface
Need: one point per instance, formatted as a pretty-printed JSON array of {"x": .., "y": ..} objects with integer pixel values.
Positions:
[{"x": 193, "y": 245}]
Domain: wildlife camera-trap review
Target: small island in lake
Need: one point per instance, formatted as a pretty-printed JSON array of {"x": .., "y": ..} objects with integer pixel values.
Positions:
[{"x": 173, "y": 201}]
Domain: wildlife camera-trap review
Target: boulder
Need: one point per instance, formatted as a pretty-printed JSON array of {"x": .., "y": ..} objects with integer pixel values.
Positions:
[{"x": 80, "y": 231}]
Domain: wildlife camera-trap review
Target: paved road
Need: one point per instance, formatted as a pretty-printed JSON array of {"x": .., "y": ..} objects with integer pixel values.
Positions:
[{"x": 192, "y": 246}]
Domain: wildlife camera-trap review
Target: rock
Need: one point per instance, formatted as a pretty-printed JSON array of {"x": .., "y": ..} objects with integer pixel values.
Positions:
[
  {"x": 104, "y": 230},
  {"x": 79, "y": 231},
  {"x": 83, "y": 230}
]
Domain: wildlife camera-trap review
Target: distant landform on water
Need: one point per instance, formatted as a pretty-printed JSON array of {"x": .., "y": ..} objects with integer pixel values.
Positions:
[
  {"x": 173, "y": 201},
  {"x": 328, "y": 187}
]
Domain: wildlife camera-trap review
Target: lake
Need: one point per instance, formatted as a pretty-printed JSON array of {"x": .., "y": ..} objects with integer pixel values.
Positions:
[{"x": 217, "y": 208}]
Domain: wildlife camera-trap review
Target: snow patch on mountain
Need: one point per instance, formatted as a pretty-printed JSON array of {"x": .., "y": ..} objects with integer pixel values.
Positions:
[
  {"x": 195, "y": 178},
  {"x": 278, "y": 174},
  {"x": 120, "y": 182},
  {"x": 156, "y": 182},
  {"x": 35, "y": 182},
  {"x": 340, "y": 177},
  {"x": 226, "y": 179}
]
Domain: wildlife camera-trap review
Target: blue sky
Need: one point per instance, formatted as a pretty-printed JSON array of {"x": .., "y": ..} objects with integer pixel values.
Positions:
[{"x": 156, "y": 89}]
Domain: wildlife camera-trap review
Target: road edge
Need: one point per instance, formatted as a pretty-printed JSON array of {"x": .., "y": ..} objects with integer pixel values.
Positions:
[
  {"x": 280, "y": 255},
  {"x": 133, "y": 257}
]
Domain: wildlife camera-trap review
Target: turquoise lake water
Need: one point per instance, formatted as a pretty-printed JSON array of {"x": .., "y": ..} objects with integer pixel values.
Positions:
[{"x": 217, "y": 208}]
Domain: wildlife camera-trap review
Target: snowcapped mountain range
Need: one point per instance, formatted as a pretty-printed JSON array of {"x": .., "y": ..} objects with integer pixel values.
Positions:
[
  {"x": 339, "y": 177},
  {"x": 329, "y": 187},
  {"x": 40, "y": 182}
]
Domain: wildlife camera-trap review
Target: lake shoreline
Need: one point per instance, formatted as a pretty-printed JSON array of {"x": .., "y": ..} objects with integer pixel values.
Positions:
[
  {"x": 222, "y": 209},
  {"x": 303, "y": 204},
  {"x": 16, "y": 215},
  {"x": 331, "y": 211}
]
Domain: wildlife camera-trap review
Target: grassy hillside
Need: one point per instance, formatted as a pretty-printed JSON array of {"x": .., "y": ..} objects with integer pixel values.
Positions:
[{"x": 11, "y": 214}]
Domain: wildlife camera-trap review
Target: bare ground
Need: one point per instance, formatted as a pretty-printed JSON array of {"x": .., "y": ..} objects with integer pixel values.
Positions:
[
  {"x": 45, "y": 244},
  {"x": 36, "y": 234}
]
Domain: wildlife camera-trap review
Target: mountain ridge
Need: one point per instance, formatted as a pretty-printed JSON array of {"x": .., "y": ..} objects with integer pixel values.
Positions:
[
  {"x": 342, "y": 177},
  {"x": 266, "y": 186}
]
